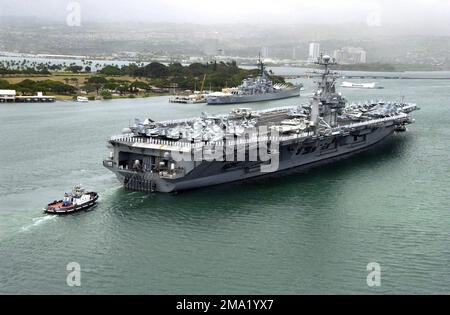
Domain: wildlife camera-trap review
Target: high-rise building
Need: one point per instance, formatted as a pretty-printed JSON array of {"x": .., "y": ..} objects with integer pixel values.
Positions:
[
  {"x": 265, "y": 52},
  {"x": 363, "y": 56},
  {"x": 314, "y": 52},
  {"x": 297, "y": 53}
]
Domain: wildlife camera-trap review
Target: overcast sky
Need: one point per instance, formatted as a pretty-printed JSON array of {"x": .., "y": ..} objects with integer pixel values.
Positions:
[{"x": 433, "y": 15}]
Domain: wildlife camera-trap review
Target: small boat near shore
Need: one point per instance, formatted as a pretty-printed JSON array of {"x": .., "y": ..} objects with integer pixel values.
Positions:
[
  {"x": 76, "y": 201},
  {"x": 82, "y": 99},
  {"x": 196, "y": 98}
]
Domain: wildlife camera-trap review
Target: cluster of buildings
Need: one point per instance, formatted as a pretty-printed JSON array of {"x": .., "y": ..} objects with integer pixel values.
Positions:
[
  {"x": 350, "y": 55},
  {"x": 345, "y": 55}
]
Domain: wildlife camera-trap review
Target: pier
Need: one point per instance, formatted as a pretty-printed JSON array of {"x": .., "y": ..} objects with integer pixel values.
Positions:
[{"x": 10, "y": 96}]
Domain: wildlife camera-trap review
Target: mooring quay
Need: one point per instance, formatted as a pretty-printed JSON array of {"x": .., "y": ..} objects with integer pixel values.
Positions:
[{"x": 10, "y": 96}]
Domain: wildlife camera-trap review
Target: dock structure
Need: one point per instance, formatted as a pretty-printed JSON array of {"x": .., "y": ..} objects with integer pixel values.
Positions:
[
  {"x": 35, "y": 99},
  {"x": 7, "y": 95},
  {"x": 10, "y": 96}
]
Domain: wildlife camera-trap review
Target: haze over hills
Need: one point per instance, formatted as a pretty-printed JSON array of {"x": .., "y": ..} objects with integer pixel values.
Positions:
[
  {"x": 171, "y": 39},
  {"x": 399, "y": 32},
  {"x": 426, "y": 17}
]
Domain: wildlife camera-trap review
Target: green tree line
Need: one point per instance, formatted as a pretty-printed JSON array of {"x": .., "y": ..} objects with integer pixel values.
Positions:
[
  {"x": 30, "y": 87},
  {"x": 218, "y": 75}
]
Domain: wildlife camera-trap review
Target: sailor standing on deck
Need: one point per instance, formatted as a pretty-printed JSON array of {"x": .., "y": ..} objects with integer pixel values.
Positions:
[{"x": 66, "y": 200}]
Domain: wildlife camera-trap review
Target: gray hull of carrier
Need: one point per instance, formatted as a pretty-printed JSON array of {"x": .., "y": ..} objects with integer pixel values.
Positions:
[{"x": 147, "y": 156}]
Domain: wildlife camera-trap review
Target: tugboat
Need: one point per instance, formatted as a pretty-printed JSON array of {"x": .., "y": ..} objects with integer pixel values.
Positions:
[{"x": 76, "y": 201}]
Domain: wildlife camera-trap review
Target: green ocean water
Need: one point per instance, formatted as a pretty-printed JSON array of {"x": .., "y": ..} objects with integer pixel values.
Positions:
[{"x": 310, "y": 232}]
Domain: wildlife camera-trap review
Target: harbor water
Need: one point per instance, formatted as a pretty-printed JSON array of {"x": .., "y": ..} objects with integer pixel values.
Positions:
[{"x": 309, "y": 232}]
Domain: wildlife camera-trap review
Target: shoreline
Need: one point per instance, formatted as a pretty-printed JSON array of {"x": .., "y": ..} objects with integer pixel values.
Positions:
[
  {"x": 65, "y": 98},
  {"x": 76, "y": 81}
]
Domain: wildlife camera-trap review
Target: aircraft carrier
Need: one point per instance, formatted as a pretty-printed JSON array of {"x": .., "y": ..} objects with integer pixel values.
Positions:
[
  {"x": 185, "y": 154},
  {"x": 252, "y": 90}
]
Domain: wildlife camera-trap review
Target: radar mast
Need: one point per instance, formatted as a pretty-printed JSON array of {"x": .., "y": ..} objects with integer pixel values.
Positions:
[{"x": 326, "y": 104}]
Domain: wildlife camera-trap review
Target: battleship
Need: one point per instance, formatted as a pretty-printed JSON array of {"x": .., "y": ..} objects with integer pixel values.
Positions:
[
  {"x": 253, "y": 90},
  {"x": 186, "y": 154}
]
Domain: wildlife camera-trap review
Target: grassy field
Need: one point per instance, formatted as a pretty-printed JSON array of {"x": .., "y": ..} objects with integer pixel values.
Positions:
[{"x": 68, "y": 78}]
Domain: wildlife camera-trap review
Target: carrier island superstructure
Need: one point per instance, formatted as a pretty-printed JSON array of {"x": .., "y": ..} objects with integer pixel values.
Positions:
[{"x": 185, "y": 154}]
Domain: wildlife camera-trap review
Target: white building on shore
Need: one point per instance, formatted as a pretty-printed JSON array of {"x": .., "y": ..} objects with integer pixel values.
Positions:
[{"x": 7, "y": 95}]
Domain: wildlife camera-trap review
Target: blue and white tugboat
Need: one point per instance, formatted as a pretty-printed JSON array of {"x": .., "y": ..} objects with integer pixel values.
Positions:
[{"x": 76, "y": 201}]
